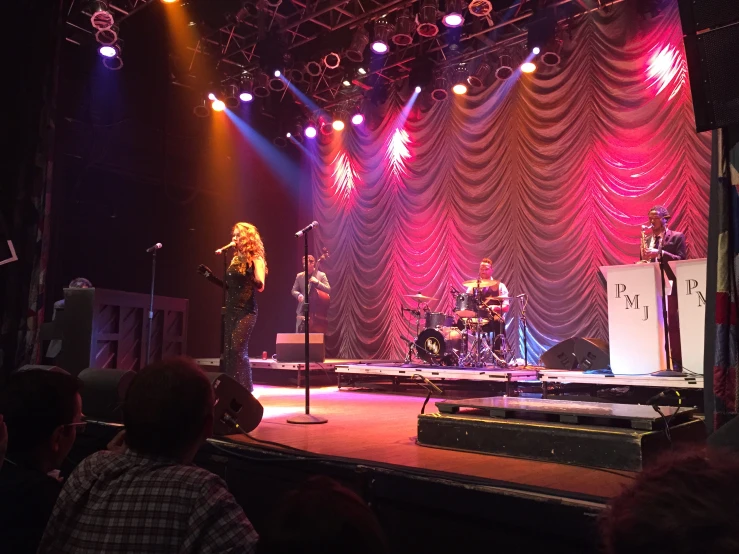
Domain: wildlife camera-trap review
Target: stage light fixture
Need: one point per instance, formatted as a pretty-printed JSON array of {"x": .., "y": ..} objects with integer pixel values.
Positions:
[
  {"x": 297, "y": 132},
  {"x": 480, "y": 8},
  {"x": 102, "y": 17},
  {"x": 441, "y": 89},
  {"x": 381, "y": 44},
  {"x": 505, "y": 68},
  {"x": 231, "y": 96},
  {"x": 340, "y": 119},
  {"x": 346, "y": 83},
  {"x": 279, "y": 142},
  {"x": 107, "y": 37},
  {"x": 115, "y": 62},
  {"x": 277, "y": 73},
  {"x": 168, "y": 1},
  {"x": 459, "y": 85},
  {"x": 357, "y": 116},
  {"x": 246, "y": 93},
  {"x": 403, "y": 35},
  {"x": 202, "y": 109},
  {"x": 313, "y": 68},
  {"x": 426, "y": 18},
  {"x": 295, "y": 74},
  {"x": 108, "y": 51},
  {"x": 332, "y": 60},
  {"x": 261, "y": 84},
  {"x": 417, "y": 89},
  {"x": 536, "y": 50},
  {"x": 218, "y": 105},
  {"x": 326, "y": 126},
  {"x": 362, "y": 71},
  {"x": 288, "y": 134},
  {"x": 360, "y": 40},
  {"x": 528, "y": 67},
  {"x": 211, "y": 96},
  {"x": 453, "y": 16},
  {"x": 310, "y": 130},
  {"x": 551, "y": 53},
  {"x": 478, "y": 78}
]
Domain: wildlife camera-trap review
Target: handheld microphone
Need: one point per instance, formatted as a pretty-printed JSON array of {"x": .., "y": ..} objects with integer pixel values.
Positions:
[
  {"x": 657, "y": 397},
  {"x": 151, "y": 249},
  {"x": 222, "y": 248},
  {"x": 305, "y": 229},
  {"x": 647, "y": 227}
]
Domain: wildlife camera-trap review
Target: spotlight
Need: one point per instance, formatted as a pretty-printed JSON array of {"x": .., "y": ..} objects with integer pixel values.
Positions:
[
  {"x": 403, "y": 29},
  {"x": 169, "y": 1},
  {"x": 480, "y": 8},
  {"x": 246, "y": 92},
  {"x": 277, "y": 73},
  {"x": 528, "y": 67},
  {"x": 107, "y": 37},
  {"x": 441, "y": 90},
  {"x": 483, "y": 71},
  {"x": 313, "y": 69},
  {"x": 261, "y": 84},
  {"x": 346, "y": 83},
  {"x": 279, "y": 142},
  {"x": 246, "y": 97},
  {"x": 339, "y": 120},
  {"x": 101, "y": 17},
  {"x": 460, "y": 80},
  {"x": 505, "y": 68},
  {"x": 295, "y": 74},
  {"x": 310, "y": 131},
  {"x": 201, "y": 110},
  {"x": 211, "y": 96},
  {"x": 551, "y": 53},
  {"x": 231, "y": 96},
  {"x": 357, "y": 117},
  {"x": 536, "y": 50},
  {"x": 453, "y": 16},
  {"x": 288, "y": 134},
  {"x": 332, "y": 60},
  {"x": 383, "y": 30},
  {"x": 355, "y": 52},
  {"x": 276, "y": 83},
  {"x": 427, "y": 18},
  {"x": 362, "y": 71},
  {"x": 418, "y": 89},
  {"x": 108, "y": 51},
  {"x": 218, "y": 105},
  {"x": 297, "y": 133},
  {"x": 326, "y": 127}
]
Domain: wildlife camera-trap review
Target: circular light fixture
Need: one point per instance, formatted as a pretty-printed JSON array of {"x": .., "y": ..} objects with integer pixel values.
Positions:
[
  {"x": 338, "y": 125},
  {"x": 355, "y": 52},
  {"x": 383, "y": 30},
  {"x": 211, "y": 96},
  {"x": 277, "y": 73},
  {"x": 528, "y": 67},
  {"x": 114, "y": 64},
  {"x": 418, "y": 89},
  {"x": 218, "y": 105},
  {"x": 362, "y": 71},
  {"x": 459, "y": 88},
  {"x": 168, "y": 1},
  {"x": 453, "y": 20},
  {"x": 108, "y": 51},
  {"x": 246, "y": 97},
  {"x": 288, "y": 134},
  {"x": 536, "y": 50},
  {"x": 357, "y": 119},
  {"x": 201, "y": 110},
  {"x": 310, "y": 131},
  {"x": 346, "y": 83},
  {"x": 332, "y": 60}
]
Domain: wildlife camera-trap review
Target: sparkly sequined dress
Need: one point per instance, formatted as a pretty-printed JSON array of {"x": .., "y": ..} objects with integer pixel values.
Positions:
[{"x": 241, "y": 316}]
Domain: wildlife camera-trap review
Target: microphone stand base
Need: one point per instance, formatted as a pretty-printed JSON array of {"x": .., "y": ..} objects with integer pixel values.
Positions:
[
  {"x": 307, "y": 419},
  {"x": 668, "y": 373}
]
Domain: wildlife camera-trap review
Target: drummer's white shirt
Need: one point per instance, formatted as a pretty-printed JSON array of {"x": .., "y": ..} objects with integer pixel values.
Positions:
[{"x": 502, "y": 291}]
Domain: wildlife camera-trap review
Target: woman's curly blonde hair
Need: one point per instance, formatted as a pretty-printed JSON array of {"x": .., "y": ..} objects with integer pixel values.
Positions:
[{"x": 254, "y": 248}]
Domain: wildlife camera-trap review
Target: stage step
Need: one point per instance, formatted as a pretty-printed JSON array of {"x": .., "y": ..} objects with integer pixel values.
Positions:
[{"x": 613, "y": 436}]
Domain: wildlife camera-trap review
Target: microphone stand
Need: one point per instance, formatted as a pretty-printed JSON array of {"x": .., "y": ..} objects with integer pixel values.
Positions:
[
  {"x": 664, "y": 268},
  {"x": 307, "y": 417},
  {"x": 222, "y": 361},
  {"x": 151, "y": 303},
  {"x": 525, "y": 332}
]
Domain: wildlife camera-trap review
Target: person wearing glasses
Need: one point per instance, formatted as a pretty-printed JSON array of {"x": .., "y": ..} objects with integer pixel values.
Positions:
[{"x": 42, "y": 410}]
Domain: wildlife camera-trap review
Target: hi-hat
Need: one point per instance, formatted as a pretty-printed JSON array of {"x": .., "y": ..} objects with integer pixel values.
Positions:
[
  {"x": 479, "y": 283},
  {"x": 419, "y": 297}
]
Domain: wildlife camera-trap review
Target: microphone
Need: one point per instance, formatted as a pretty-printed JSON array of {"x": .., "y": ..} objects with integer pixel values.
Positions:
[
  {"x": 646, "y": 227},
  {"x": 222, "y": 248},
  {"x": 420, "y": 377},
  {"x": 657, "y": 397},
  {"x": 305, "y": 229},
  {"x": 521, "y": 295},
  {"x": 151, "y": 249}
]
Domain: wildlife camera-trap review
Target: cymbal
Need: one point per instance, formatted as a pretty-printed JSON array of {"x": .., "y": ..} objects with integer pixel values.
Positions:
[
  {"x": 419, "y": 297},
  {"x": 482, "y": 283}
]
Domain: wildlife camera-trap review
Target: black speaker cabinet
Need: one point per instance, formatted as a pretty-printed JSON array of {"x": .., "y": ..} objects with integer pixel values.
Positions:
[
  {"x": 291, "y": 347},
  {"x": 711, "y": 29},
  {"x": 560, "y": 356},
  {"x": 592, "y": 353},
  {"x": 233, "y": 401},
  {"x": 103, "y": 392}
]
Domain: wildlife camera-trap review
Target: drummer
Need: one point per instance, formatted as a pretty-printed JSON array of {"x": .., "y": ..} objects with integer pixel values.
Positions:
[{"x": 492, "y": 289}]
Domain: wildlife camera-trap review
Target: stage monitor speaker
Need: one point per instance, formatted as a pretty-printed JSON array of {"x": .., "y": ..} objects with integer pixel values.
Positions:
[
  {"x": 592, "y": 353},
  {"x": 560, "y": 356},
  {"x": 711, "y": 29},
  {"x": 103, "y": 392},
  {"x": 233, "y": 401},
  {"x": 291, "y": 347}
]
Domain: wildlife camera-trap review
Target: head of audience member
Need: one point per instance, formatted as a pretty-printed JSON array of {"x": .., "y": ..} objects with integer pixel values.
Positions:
[
  {"x": 80, "y": 283},
  {"x": 658, "y": 218},
  {"x": 684, "y": 505},
  {"x": 168, "y": 410},
  {"x": 486, "y": 268},
  {"x": 311, "y": 264},
  {"x": 322, "y": 516},
  {"x": 42, "y": 410}
]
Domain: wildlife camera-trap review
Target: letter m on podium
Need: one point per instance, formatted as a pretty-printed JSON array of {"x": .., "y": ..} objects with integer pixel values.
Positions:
[{"x": 632, "y": 304}]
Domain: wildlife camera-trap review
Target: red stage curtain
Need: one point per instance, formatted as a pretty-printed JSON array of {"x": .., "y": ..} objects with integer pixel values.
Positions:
[{"x": 549, "y": 175}]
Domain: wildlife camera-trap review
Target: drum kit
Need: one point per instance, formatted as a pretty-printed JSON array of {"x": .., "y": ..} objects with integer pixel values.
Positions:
[{"x": 476, "y": 338}]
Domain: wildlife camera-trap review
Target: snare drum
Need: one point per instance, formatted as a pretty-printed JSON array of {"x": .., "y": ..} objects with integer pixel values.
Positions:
[
  {"x": 466, "y": 306},
  {"x": 438, "y": 319},
  {"x": 440, "y": 346}
]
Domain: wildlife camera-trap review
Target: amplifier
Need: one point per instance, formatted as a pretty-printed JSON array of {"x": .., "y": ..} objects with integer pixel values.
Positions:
[{"x": 291, "y": 347}]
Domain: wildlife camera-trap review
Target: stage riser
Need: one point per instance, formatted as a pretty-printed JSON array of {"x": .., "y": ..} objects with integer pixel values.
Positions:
[{"x": 590, "y": 446}]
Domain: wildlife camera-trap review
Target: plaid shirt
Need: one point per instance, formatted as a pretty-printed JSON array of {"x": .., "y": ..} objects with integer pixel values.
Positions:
[{"x": 130, "y": 503}]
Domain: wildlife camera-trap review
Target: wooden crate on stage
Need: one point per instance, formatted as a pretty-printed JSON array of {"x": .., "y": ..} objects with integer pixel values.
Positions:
[
  {"x": 109, "y": 329},
  {"x": 594, "y": 434}
]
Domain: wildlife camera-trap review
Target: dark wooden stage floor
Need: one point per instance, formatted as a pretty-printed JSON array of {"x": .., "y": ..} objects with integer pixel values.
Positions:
[{"x": 381, "y": 428}]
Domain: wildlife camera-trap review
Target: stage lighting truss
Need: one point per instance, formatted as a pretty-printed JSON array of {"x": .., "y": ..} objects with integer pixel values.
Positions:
[
  {"x": 480, "y": 8},
  {"x": 403, "y": 35},
  {"x": 426, "y": 18},
  {"x": 101, "y": 18},
  {"x": 360, "y": 40}
]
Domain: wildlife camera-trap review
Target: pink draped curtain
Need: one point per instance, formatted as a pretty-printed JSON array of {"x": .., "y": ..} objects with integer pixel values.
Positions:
[{"x": 550, "y": 175}]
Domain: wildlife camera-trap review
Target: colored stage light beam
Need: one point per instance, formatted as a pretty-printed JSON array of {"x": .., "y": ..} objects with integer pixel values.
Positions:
[
  {"x": 307, "y": 102},
  {"x": 405, "y": 112},
  {"x": 282, "y": 166}
]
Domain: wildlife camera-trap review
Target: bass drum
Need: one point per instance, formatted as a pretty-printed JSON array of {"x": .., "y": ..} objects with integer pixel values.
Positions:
[{"x": 440, "y": 346}]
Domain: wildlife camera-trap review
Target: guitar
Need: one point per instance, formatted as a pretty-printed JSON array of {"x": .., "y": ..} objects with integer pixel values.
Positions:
[{"x": 319, "y": 302}]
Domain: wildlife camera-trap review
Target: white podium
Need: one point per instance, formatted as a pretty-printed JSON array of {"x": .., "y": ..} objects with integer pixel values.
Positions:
[
  {"x": 691, "y": 304},
  {"x": 635, "y": 330}
]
